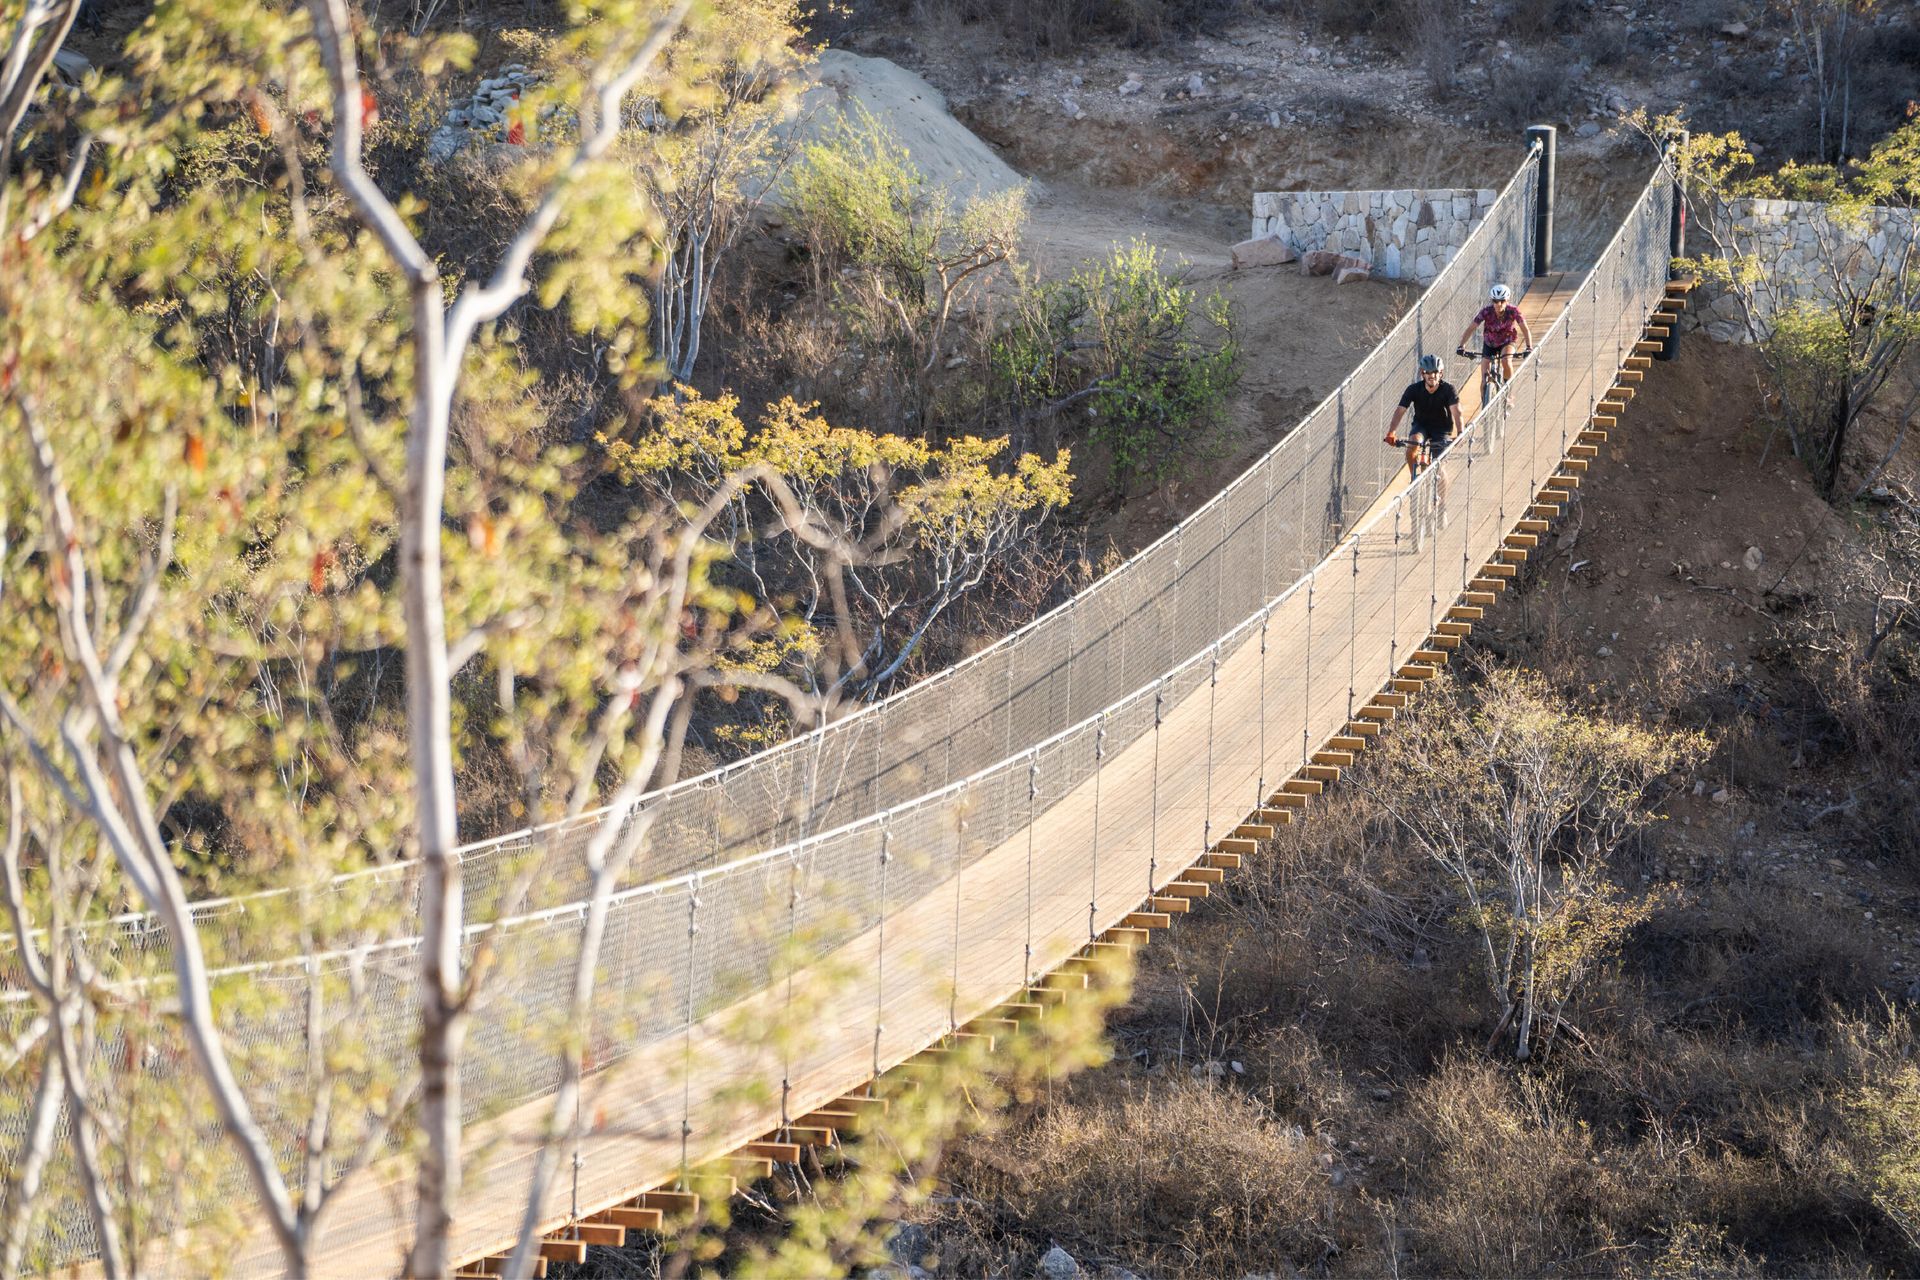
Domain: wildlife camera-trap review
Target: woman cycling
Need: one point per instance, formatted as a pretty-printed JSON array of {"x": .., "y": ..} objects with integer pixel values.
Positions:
[{"x": 1498, "y": 322}]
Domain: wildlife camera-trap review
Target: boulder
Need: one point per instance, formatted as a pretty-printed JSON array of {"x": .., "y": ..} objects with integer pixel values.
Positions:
[
  {"x": 1263, "y": 251},
  {"x": 1326, "y": 262},
  {"x": 1352, "y": 275},
  {"x": 1057, "y": 1264},
  {"x": 1320, "y": 262}
]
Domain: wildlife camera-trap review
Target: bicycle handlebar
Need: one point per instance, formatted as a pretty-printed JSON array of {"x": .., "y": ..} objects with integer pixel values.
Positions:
[{"x": 1521, "y": 354}]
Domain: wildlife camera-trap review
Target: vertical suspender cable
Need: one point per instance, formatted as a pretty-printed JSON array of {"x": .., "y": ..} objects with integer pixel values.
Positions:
[
  {"x": 1306, "y": 670},
  {"x": 1353, "y": 629},
  {"x": 1099, "y": 758},
  {"x": 686, "y": 1051},
  {"x": 1033, "y": 798},
  {"x": 1260, "y": 782},
  {"x": 1213, "y": 691},
  {"x": 1153, "y": 828},
  {"x": 959, "y": 868},
  {"x": 880, "y": 964}
]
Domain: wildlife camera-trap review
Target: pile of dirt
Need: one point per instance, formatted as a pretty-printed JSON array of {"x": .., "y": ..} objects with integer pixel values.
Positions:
[{"x": 846, "y": 87}]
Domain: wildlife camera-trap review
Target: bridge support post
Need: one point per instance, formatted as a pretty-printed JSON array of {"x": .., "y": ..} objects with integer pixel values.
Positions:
[
  {"x": 1544, "y": 137},
  {"x": 1671, "y": 147}
]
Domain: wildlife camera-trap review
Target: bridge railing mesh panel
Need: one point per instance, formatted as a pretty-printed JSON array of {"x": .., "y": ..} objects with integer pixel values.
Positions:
[{"x": 826, "y": 910}]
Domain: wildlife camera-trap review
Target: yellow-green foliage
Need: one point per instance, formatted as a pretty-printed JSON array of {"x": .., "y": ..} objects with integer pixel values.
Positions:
[
  {"x": 1886, "y": 1116},
  {"x": 950, "y": 492}
]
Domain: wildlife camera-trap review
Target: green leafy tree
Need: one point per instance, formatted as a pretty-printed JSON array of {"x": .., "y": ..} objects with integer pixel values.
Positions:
[
  {"x": 899, "y": 254},
  {"x": 1835, "y": 349},
  {"x": 929, "y": 522},
  {"x": 284, "y": 541},
  {"x": 1149, "y": 358}
]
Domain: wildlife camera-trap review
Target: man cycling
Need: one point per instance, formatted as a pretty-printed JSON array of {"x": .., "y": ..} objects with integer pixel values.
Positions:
[
  {"x": 1498, "y": 322},
  {"x": 1436, "y": 413}
]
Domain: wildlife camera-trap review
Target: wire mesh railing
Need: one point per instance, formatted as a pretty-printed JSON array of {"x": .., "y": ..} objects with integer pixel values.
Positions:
[
  {"x": 1109, "y": 744},
  {"x": 1262, "y": 531}
]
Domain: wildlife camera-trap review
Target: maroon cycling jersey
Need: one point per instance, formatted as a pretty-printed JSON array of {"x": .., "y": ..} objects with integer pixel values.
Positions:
[{"x": 1498, "y": 329}]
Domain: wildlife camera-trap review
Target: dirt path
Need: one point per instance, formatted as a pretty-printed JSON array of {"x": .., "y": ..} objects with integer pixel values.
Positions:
[{"x": 1299, "y": 337}]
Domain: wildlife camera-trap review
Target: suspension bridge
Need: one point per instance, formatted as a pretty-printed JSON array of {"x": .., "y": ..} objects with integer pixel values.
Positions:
[{"x": 951, "y": 859}]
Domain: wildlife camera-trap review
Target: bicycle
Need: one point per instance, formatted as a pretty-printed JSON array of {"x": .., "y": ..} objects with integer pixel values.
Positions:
[
  {"x": 1494, "y": 378},
  {"x": 1427, "y": 507}
]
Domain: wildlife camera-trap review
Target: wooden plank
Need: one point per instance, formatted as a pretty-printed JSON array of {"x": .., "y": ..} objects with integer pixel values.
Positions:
[
  {"x": 1304, "y": 786},
  {"x": 1531, "y": 525},
  {"x": 1514, "y": 555},
  {"x": 1592, "y": 435},
  {"x": 1583, "y": 451},
  {"x": 1189, "y": 889},
  {"x": 1240, "y": 844},
  {"x": 1362, "y": 729},
  {"x": 1340, "y": 759},
  {"x": 1658, "y": 330},
  {"x": 1024, "y": 1010},
  {"x": 1482, "y": 597},
  {"x": 1435, "y": 658},
  {"x": 1498, "y": 571},
  {"x": 1682, "y": 286},
  {"x": 630, "y": 1219},
  {"x": 674, "y": 1202},
  {"x": 1485, "y": 590},
  {"x": 1466, "y": 613},
  {"x": 1248, "y": 831},
  {"x": 861, "y": 1102},
  {"x": 1444, "y": 642},
  {"x": 1633, "y": 375},
  {"x": 1067, "y": 980},
  {"x": 1377, "y": 713},
  {"x": 1147, "y": 920},
  {"x": 1390, "y": 699},
  {"x": 1225, "y": 861},
  {"x": 1321, "y": 772},
  {"x": 1169, "y": 904},
  {"x": 1351, "y": 743},
  {"x": 607, "y": 1234},
  {"x": 1284, "y": 800},
  {"x": 1521, "y": 540},
  {"x": 1565, "y": 483},
  {"x": 574, "y": 1251},
  {"x": 1645, "y": 348},
  {"x": 1575, "y": 464},
  {"x": 808, "y": 1137},
  {"x": 1453, "y": 627},
  {"x": 497, "y": 1266},
  {"x": 1204, "y": 875},
  {"x": 1127, "y": 935},
  {"x": 1639, "y": 363},
  {"x": 778, "y": 1152}
]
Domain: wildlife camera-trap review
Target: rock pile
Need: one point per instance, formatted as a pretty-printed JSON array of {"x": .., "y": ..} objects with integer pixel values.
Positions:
[{"x": 490, "y": 115}]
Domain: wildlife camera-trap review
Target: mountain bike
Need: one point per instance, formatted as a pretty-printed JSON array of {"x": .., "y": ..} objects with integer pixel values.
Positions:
[
  {"x": 1427, "y": 505},
  {"x": 1495, "y": 379}
]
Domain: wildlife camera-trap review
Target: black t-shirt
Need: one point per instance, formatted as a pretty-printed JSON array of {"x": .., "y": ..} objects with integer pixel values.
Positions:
[{"x": 1430, "y": 416}]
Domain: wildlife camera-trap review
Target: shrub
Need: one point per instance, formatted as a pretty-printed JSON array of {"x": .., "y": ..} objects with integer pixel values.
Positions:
[{"x": 1147, "y": 356}]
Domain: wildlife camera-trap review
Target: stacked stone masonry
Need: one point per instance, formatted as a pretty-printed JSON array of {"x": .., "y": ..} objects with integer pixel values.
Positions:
[
  {"x": 1409, "y": 234},
  {"x": 1795, "y": 241}
]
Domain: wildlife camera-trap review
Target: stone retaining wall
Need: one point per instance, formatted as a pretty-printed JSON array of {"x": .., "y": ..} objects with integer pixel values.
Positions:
[
  {"x": 1794, "y": 240},
  {"x": 1408, "y": 234}
]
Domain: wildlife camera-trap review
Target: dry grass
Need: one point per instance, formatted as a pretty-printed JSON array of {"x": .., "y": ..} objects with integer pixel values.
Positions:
[{"x": 1182, "y": 1176}]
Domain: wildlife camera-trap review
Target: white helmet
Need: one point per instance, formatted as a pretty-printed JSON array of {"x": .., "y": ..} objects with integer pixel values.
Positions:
[{"x": 1499, "y": 293}]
